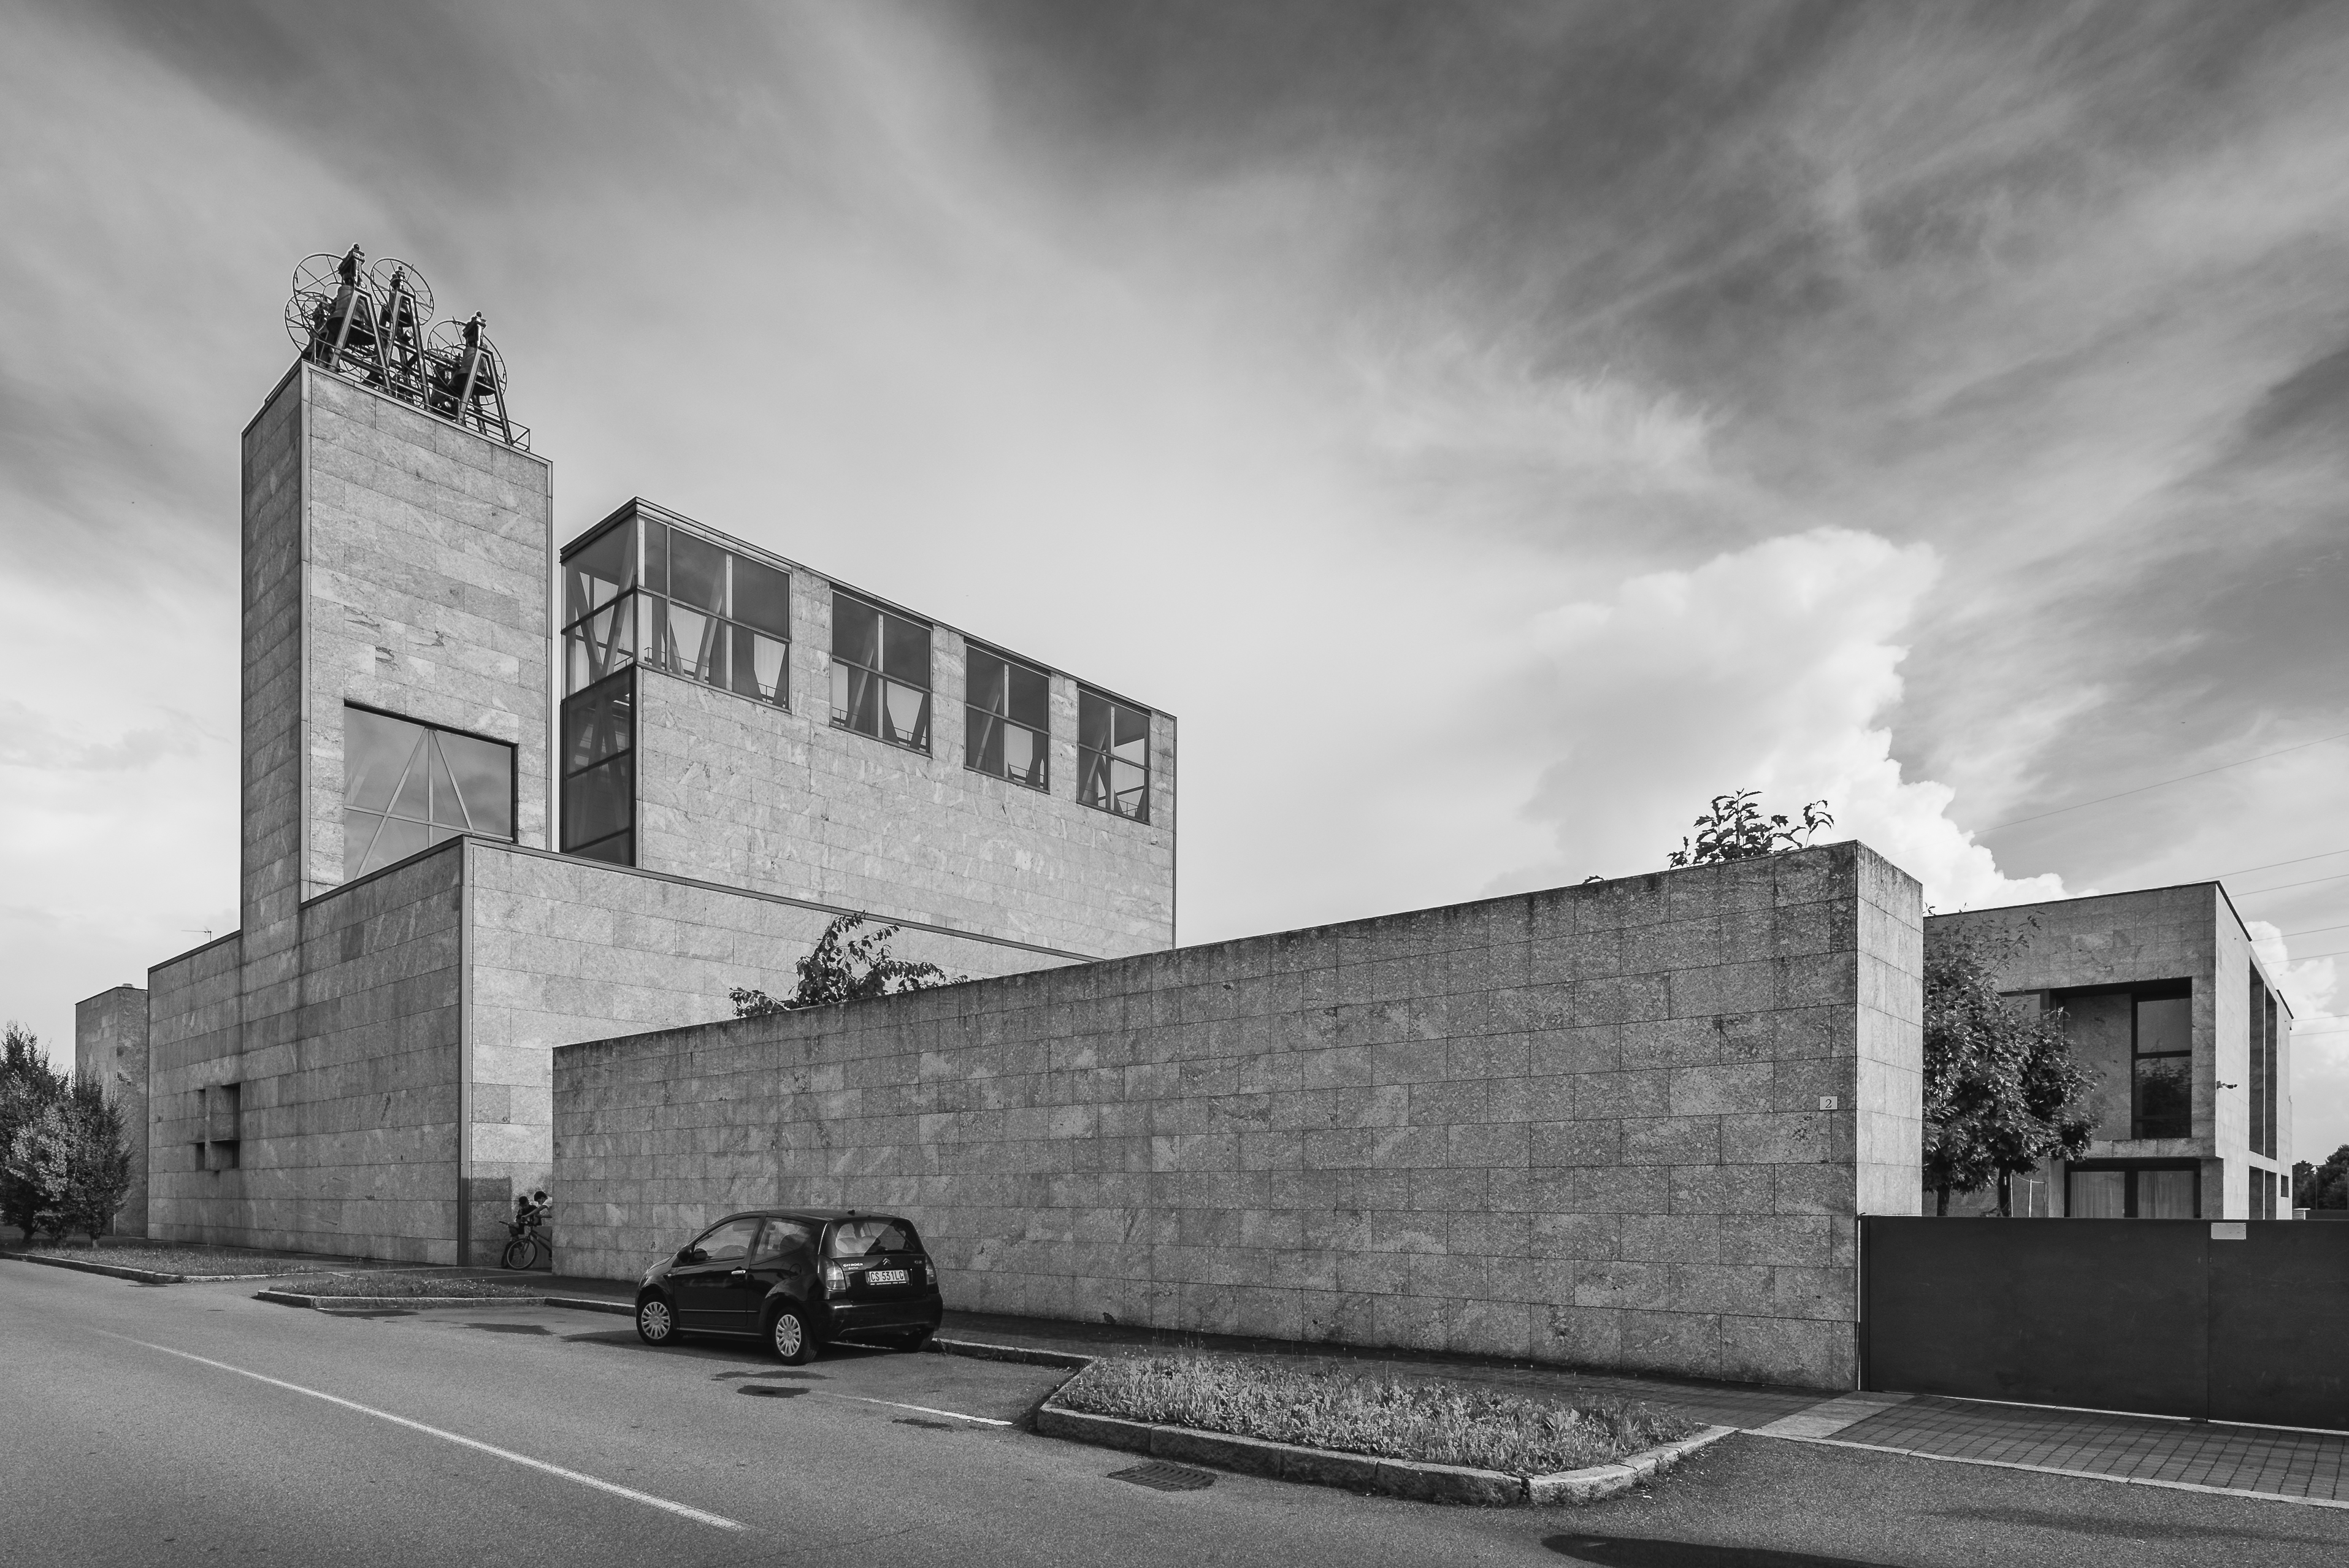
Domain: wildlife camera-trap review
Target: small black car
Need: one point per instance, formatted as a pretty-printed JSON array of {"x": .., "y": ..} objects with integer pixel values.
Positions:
[{"x": 798, "y": 1279}]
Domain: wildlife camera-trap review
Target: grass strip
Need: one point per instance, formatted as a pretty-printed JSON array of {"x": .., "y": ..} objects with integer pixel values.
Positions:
[{"x": 1329, "y": 1407}]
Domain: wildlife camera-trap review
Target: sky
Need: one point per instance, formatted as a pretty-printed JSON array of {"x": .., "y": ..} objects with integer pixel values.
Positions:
[{"x": 1491, "y": 429}]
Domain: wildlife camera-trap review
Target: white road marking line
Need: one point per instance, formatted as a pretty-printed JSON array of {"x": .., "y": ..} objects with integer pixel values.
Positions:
[
  {"x": 927, "y": 1410},
  {"x": 681, "y": 1509}
]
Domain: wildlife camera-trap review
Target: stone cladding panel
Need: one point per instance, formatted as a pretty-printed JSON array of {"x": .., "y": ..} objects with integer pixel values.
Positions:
[{"x": 1579, "y": 1126}]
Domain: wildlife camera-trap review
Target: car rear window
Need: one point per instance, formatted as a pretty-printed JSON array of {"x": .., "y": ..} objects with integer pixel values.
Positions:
[{"x": 865, "y": 1238}]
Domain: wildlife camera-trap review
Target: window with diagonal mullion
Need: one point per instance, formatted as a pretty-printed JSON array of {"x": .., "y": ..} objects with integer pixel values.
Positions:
[
  {"x": 880, "y": 674},
  {"x": 409, "y": 786}
]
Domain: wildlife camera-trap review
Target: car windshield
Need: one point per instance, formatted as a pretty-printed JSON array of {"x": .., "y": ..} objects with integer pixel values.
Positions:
[{"x": 867, "y": 1238}]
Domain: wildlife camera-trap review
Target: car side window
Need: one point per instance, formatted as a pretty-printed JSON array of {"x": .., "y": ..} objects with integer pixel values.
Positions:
[
  {"x": 730, "y": 1243},
  {"x": 785, "y": 1239}
]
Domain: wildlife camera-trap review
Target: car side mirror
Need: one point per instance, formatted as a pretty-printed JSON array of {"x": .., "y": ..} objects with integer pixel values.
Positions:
[{"x": 686, "y": 1254}]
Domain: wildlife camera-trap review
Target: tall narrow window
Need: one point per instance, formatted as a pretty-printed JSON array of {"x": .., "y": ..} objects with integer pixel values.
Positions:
[
  {"x": 1113, "y": 755},
  {"x": 2162, "y": 1068},
  {"x": 1007, "y": 721},
  {"x": 409, "y": 786},
  {"x": 880, "y": 674},
  {"x": 599, "y": 778},
  {"x": 2270, "y": 1072}
]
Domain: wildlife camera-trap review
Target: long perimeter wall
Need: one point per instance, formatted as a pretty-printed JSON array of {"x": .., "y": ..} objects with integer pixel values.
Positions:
[{"x": 1626, "y": 1125}]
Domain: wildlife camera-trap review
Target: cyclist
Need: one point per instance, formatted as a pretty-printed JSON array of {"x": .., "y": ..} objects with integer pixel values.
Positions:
[{"x": 529, "y": 1210}]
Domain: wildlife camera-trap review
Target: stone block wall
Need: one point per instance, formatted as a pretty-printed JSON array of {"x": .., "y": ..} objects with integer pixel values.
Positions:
[
  {"x": 345, "y": 1129},
  {"x": 564, "y": 950},
  {"x": 429, "y": 551},
  {"x": 1626, "y": 1125},
  {"x": 744, "y": 794},
  {"x": 110, "y": 1043}
]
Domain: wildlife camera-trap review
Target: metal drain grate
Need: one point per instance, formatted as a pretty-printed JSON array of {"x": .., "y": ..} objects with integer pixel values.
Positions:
[{"x": 1161, "y": 1476}]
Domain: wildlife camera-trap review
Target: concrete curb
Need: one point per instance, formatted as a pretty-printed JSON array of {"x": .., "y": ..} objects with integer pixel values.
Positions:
[
  {"x": 116, "y": 1271},
  {"x": 1577, "y": 1487},
  {"x": 1419, "y": 1481},
  {"x": 422, "y": 1302},
  {"x": 380, "y": 1303},
  {"x": 1027, "y": 1355}
]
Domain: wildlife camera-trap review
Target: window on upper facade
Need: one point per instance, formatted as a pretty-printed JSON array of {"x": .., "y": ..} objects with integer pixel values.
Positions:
[
  {"x": 599, "y": 778},
  {"x": 1007, "y": 720},
  {"x": 2161, "y": 1085},
  {"x": 644, "y": 592},
  {"x": 880, "y": 674},
  {"x": 1113, "y": 755},
  {"x": 409, "y": 786}
]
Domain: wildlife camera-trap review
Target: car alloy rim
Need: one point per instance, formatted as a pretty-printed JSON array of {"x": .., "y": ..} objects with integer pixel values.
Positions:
[
  {"x": 788, "y": 1334},
  {"x": 654, "y": 1315}
]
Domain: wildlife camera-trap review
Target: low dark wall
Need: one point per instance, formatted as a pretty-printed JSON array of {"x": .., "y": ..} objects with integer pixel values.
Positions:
[{"x": 2170, "y": 1318}]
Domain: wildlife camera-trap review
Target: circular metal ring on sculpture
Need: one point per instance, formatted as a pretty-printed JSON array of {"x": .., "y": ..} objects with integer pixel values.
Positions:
[
  {"x": 380, "y": 273},
  {"x": 303, "y": 314},
  {"x": 449, "y": 353}
]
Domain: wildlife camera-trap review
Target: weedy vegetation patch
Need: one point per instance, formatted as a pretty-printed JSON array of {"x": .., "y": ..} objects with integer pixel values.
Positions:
[{"x": 1329, "y": 1407}]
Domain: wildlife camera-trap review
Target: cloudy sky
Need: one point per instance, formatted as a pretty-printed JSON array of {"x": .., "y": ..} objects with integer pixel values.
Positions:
[{"x": 1491, "y": 428}]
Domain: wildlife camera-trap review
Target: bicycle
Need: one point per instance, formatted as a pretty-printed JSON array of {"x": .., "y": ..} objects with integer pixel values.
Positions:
[{"x": 522, "y": 1252}]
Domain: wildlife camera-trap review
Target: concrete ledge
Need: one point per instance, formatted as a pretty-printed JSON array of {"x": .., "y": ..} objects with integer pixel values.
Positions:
[
  {"x": 1421, "y": 1482},
  {"x": 1578, "y": 1487},
  {"x": 378, "y": 1303},
  {"x": 117, "y": 1271},
  {"x": 420, "y": 1302},
  {"x": 1030, "y": 1356}
]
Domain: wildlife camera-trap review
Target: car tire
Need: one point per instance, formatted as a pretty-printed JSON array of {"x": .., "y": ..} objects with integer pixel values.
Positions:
[
  {"x": 789, "y": 1336},
  {"x": 657, "y": 1322}
]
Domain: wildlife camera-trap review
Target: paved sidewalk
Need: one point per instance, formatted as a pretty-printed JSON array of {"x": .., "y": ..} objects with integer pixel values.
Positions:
[{"x": 2263, "y": 1460}]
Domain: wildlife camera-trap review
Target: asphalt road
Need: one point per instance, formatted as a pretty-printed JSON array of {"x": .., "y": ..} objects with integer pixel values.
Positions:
[{"x": 189, "y": 1423}]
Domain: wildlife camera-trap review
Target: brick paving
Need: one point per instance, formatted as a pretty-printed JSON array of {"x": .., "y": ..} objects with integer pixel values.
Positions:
[{"x": 2268, "y": 1459}]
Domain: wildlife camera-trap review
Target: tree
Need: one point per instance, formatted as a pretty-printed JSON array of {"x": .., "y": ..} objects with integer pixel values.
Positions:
[
  {"x": 30, "y": 1152},
  {"x": 65, "y": 1150},
  {"x": 2325, "y": 1186},
  {"x": 844, "y": 968},
  {"x": 2002, "y": 1091},
  {"x": 1733, "y": 829},
  {"x": 98, "y": 1161}
]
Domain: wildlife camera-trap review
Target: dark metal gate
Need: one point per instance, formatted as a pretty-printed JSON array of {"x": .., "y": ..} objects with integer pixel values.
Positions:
[{"x": 2242, "y": 1320}]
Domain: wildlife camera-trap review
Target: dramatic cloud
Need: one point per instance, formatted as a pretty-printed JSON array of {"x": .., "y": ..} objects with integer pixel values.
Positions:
[
  {"x": 1493, "y": 430},
  {"x": 1772, "y": 667}
]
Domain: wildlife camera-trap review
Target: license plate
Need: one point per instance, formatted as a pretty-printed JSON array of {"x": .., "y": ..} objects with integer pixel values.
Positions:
[{"x": 886, "y": 1276}]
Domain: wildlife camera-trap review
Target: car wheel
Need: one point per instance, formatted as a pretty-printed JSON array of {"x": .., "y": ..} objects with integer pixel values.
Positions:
[
  {"x": 656, "y": 1324},
  {"x": 787, "y": 1333}
]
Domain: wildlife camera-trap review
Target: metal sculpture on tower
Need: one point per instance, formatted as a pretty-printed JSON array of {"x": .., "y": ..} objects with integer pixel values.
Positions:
[{"x": 370, "y": 324}]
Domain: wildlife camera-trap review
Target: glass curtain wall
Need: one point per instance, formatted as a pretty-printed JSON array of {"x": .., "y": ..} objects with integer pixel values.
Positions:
[
  {"x": 1007, "y": 720},
  {"x": 599, "y": 771},
  {"x": 409, "y": 786},
  {"x": 1113, "y": 755},
  {"x": 880, "y": 674},
  {"x": 642, "y": 592}
]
